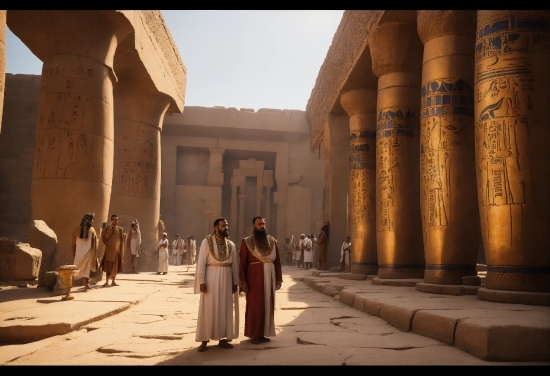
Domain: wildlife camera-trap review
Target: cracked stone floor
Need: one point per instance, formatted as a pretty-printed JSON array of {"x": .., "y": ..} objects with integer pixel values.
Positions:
[{"x": 312, "y": 329}]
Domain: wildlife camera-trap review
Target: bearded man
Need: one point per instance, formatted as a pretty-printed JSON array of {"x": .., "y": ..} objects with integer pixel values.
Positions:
[
  {"x": 260, "y": 276},
  {"x": 84, "y": 247},
  {"x": 217, "y": 279},
  {"x": 112, "y": 238}
]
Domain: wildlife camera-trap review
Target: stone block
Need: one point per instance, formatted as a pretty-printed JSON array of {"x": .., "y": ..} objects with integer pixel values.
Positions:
[
  {"x": 355, "y": 277},
  {"x": 398, "y": 317},
  {"x": 493, "y": 342},
  {"x": 335, "y": 269},
  {"x": 18, "y": 261},
  {"x": 514, "y": 297},
  {"x": 347, "y": 297},
  {"x": 372, "y": 307},
  {"x": 471, "y": 280},
  {"x": 429, "y": 324},
  {"x": 396, "y": 282},
  {"x": 359, "y": 303},
  {"x": 50, "y": 280},
  {"x": 43, "y": 238}
]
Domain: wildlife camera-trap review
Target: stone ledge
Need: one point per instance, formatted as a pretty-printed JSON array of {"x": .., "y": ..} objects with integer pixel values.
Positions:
[
  {"x": 356, "y": 277},
  {"x": 396, "y": 282},
  {"x": 491, "y": 336},
  {"x": 514, "y": 297},
  {"x": 456, "y": 290}
]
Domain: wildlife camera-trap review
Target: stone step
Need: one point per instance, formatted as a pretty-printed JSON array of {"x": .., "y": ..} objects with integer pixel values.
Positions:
[{"x": 490, "y": 331}]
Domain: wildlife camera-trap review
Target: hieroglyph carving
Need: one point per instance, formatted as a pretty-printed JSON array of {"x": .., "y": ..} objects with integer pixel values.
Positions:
[
  {"x": 505, "y": 86},
  {"x": 138, "y": 166},
  {"x": 393, "y": 126},
  {"x": 362, "y": 176},
  {"x": 445, "y": 103},
  {"x": 69, "y": 139}
]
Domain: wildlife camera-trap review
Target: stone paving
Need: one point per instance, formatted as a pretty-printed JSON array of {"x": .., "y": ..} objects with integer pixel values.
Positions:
[{"x": 151, "y": 319}]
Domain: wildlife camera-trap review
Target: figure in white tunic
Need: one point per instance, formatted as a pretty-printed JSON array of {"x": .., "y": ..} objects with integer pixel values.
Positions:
[
  {"x": 163, "y": 254},
  {"x": 84, "y": 246},
  {"x": 216, "y": 279}
]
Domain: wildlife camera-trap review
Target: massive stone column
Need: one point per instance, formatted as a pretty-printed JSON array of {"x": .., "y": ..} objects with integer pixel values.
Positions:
[
  {"x": 512, "y": 114},
  {"x": 2, "y": 61},
  {"x": 448, "y": 195},
  {"x": 396, "y": 54},
  {"x": 360, "y": 104},
  {"x": 73, "y": 156},
  {"x": 136, "y": 172}
]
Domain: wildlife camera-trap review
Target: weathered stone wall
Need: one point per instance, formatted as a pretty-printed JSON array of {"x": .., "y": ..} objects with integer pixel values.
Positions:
[
  {"x": 16, "y": 151},
  {"x": 347, "y": 47}
]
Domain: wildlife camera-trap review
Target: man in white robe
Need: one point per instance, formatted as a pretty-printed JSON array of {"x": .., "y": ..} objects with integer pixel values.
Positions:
[
  {"x": 193, "y": 247},
  {"x": 163, "y": 254},
  {"x": 84, "y": 247},
  {"x": 216, "y": 279},
  {"x": 345, "y": 253},
  {"x": 308, "y": 254},
  {"x": 177, "y": 249},
  {"x": 133, "y": 239}
]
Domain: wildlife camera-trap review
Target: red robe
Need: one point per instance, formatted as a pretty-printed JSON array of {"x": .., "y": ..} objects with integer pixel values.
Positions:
[{"x": 253, "y": 275}]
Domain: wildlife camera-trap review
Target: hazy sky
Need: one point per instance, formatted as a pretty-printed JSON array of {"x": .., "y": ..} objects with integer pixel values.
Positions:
[{"x": 253, "y": 59}]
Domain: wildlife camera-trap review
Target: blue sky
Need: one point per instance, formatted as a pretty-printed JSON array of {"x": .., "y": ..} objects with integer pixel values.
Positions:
[{"x": 252, "y": 59}]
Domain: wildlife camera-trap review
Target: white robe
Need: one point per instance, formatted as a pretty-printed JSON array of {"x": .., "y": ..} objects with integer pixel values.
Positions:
[
  {"x": 177, "y": 252},
  {"x": 163, "y": 256},
  {"x": 345, "y": 255},
  {"x": 84, "y": 259},
  {"x": 308, "y": 255},
  {"x": 216, "y": 319},
  {"x": 135, "y": 242}
]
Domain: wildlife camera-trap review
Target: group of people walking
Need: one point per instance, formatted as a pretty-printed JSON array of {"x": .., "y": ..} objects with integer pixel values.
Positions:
[
  {"x": 183, "y": 251},
  {"x": 308, "y": 249}
]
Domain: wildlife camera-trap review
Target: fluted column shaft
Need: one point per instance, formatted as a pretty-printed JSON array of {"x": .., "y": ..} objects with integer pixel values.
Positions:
[
  {"x": 512, "y": 114},
  {"x": 360, "y": 104},
  {"x": 396, "y": 54},
  {"x": 448, "y": 192},
  {"x": 242, "y": 199}
]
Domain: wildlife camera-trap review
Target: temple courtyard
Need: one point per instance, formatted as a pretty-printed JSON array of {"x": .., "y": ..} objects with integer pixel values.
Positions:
[{"x": 150, "y": 319}]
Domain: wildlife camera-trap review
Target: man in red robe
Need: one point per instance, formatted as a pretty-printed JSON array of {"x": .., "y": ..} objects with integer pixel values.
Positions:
[{"x": 260, "y": 276}]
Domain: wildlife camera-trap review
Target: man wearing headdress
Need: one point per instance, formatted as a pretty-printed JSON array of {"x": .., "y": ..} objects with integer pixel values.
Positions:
[
  {"x": 260, "y": 276},
  {"x": 164, "y": 256},
  {"x": 84, "y": 247},
  {"x": 217, "y": 279},
  {"x": 112, "y": 238},
  {"x": 323, "y": 245},
  {"x": 133, "y": 244}
]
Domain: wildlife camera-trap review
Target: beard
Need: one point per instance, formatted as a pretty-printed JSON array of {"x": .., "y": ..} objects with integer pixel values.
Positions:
[
  {"x": 223, "y": 234},
  {"x": 260, "y": 236}
]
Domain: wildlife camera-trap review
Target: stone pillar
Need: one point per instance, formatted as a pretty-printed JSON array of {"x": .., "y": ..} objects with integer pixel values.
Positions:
[
  {"x": 396, "y": 54},
  {"x": 448, "y": 192},
  {"x": 336, "y": 155},
  {"x": 512, "y": 114},
  {"x": 73, "y": 156},
  {"x": 234, "y": 214},
  {"x": 2, "y": 62},
  {"x": 137, "y": 169},
  {"x": 241, "y": 217},
  {"x": 280, "y": 197},
  {"x": 268, "y": 203},
  {"x": 360, "y": 104}
]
